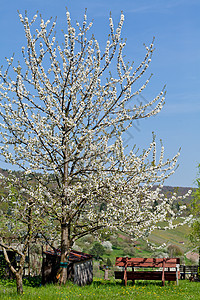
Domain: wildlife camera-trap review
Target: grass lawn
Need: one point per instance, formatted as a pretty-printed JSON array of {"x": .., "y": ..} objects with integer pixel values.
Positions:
[{"x": 101, "y": 289}]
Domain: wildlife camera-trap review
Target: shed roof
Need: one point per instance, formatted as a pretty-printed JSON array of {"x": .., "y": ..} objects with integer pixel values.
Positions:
[{"x": 74, "y": 256}]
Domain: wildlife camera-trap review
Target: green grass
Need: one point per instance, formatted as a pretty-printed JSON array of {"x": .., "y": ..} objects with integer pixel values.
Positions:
[{"x": 104, "y": 290}]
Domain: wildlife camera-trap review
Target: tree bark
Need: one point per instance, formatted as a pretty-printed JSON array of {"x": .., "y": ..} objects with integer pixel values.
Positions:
[
  {"x": 65, "y": 250},
  {"x": 65, "y": 225},
  {"x": 19, "y": 282},
  {"x": 18, "y": 274}
]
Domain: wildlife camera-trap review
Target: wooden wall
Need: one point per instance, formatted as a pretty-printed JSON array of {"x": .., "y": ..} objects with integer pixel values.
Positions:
[{"x": 83, "y": 272}]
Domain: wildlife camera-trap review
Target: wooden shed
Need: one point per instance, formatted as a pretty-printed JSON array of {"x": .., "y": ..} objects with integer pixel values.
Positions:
[{"x": 79, "y": 269}]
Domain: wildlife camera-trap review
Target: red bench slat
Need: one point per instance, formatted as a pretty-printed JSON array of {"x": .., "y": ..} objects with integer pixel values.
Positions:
[
  {"x": 147, "y": 275},
  {"x": 148, "y": 263}
]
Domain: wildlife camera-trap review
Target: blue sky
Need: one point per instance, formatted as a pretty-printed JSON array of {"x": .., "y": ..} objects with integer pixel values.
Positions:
[{"x": 176, "y": 62}]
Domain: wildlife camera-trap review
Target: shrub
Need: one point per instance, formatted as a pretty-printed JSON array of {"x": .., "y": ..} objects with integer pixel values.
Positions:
[
  {"x": 129, "y": 251},
  {"x": 109, "y": 263},
  {"x": 97, "y": 250},
  {"x": 114, "y": 241},
  {"x": 107, "y": 245},
  {"x": 174, "y": 251}
]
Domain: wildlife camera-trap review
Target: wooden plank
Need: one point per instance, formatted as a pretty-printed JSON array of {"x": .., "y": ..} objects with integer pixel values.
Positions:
[
  {"x": 146, "y": 275},
  {"x": 149, "y": 259},
  {"x": 147, "y": 262},
  {"x": 163, "y": 272},
  {"x": 177, "y": 271},
  {"x": 125, "y": 271}
]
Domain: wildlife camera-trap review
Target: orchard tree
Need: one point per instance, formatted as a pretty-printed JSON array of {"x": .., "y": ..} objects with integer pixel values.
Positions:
[
  {"x": 195, "y": 226},
  {"x": 19, "y": 221},
  {"x": 64, "y": 109}
]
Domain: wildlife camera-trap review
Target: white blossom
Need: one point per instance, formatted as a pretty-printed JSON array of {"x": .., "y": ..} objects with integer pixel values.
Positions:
[{"x": 62, "y": 122}]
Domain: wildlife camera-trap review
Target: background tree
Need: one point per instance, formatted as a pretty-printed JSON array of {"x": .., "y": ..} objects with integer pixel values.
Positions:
[
  {"x": 97, "y": 250},
  {"x": 23, "y": 223},
  {"x": 174, "y": 251},
  {"x": 63, "y": 114},
  {"x": 18, "y": 223},
  {"x": 195, "y": 227}
]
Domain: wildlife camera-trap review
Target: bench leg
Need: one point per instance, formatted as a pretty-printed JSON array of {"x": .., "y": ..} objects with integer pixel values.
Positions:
[
  {"x": 125, "y": 277},
  {"x": 163, "y": 273},
  {"x": 124, "y": 282},
  {"x": 177, "y": 269},
  {"x": 169, "y": 271},
  {"x": 133, "y": 281},
  {"x": 163, "y": 278}
]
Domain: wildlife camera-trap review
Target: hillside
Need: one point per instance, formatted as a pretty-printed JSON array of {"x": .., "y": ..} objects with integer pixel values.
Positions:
[
  {"x": 122, "y": 245},
  {"x": 169, "y": 190},
  {"x": 166, "y": 190}
]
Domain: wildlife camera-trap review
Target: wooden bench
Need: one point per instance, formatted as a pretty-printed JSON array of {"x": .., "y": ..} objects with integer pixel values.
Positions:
[{"x": 163, "y": 263}]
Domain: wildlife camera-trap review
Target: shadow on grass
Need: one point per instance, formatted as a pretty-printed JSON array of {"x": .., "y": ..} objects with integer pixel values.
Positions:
[
  {"x": 100, "y": 282},
  {"x": 27, "y": 281},
  {"x": 34, "y": 281}
]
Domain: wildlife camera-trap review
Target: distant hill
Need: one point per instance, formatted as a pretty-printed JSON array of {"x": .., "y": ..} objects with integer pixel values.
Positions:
[
  {"x": 166, "y": 190},
  {"x": 122, "y": 243},
  {"x": 180, "y": 191}
]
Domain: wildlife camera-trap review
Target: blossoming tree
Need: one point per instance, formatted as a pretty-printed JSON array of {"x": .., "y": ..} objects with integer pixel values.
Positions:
[
  {"x": 64, "y": 115},
  {"x": 19, "y": 222}
]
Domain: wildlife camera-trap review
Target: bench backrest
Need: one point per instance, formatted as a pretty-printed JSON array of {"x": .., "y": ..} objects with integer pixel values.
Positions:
[{"x": 147, "y": 262}]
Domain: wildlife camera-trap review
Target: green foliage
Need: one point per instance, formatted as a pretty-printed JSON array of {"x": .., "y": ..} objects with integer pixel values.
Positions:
[
  {"x": 114, "y": 241},
  {"x": 174, "y": 251},
  {"x": 34, "y": 281},
  {"x": 108, "y": 262},
  {"x": 194, "y": 235},
  {"x": 97, "y": 250},
  {"x": 88, "y": 238},
  {"x": 129, "y": 251}
]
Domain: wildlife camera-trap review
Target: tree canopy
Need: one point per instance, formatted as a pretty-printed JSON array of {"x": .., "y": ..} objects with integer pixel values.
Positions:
[
  {"x": 63, "y": 114},
  {"x": 195, "y": 205}
]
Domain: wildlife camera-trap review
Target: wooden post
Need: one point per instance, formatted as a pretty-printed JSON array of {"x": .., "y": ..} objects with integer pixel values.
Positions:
[
  {"x": 184, "y": 272},
  {"x": 133, "y": 281},
  {"x": 125, "y": 272},
  {"x": 177, "y": 270},
  {"x": 163, "y": 272},
  {"x": 106, "y": 274},
  {"x": 168, "y": 271}
]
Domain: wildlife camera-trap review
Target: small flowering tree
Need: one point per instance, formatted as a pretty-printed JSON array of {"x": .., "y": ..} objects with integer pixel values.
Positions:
[
  {"x": 19, "y": 222},
  {"x": 64, "y": 115}
]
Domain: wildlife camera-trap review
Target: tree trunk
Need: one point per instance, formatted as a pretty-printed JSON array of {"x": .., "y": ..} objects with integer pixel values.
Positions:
[
  {"x": 65, "y": 250},
  {"x": 65, "y": 225},
  {"x": 19, "y": 282},
  {"x": 18, "y": 274}
]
